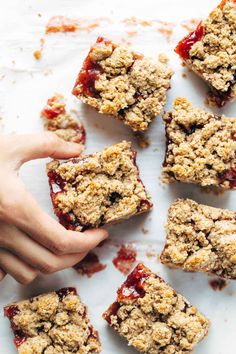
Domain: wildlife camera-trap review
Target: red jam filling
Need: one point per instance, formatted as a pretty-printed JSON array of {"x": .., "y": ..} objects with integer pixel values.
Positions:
[
  {"x": 133, "y": 286},
  {"x": 112, "y": 311},
  {"x": 125, "y": 259},
  {"x": 89, "y": 265},
  {"x": 186, "y": 44},
  {"x": 53, "y": 109},
  {"x": 20, "y": 338},
  {"x": 62, "y": 293},
  {"x": 229, "y": 175},
  {"x": 56, "y": 182},
  {"x": 89, "y": 73},
  {"x": 11, "y": 311}
]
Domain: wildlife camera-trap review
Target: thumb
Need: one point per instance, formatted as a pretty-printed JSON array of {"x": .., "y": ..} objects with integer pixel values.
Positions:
[{"x": 47, "y": 144}]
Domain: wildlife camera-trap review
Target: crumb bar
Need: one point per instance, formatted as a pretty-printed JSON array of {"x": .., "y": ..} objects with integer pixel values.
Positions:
[
  {"x": 97, "y": 189},
  {"x": 153, "y": 317},
  {"x": 201, "y": 238},
  {"x": 200, "y": 147},
  {"x": 116, "y": 81},
  {"x": 53, "y": 323},
  {"x": 58, "y": 119},
  {"x": 210, "y": 51}
]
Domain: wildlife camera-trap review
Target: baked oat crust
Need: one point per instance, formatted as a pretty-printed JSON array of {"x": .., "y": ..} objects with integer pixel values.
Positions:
[
  {"x": 53, "y": 323},
  {"x": 200, "y": 147},
  {"x": 97, "y": 189},
  {"x": 153, "y": 317},
  {"x": 201, "y": 238},
  {"x": 210, "y": 51},
  {"x": 116, "y": 81}
]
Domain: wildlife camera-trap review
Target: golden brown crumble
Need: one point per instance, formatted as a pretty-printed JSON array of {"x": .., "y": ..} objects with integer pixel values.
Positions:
[
  {"x": 100, "y": 188},
  {"x": 201, "y": 238},
  {"x": 200, "y": 147},
  {"x": 124, "y": 84},
  {"x": 53, "y": 323},
  {"x": 158, "y": 321},
  {"x": 213, "y": 57}
]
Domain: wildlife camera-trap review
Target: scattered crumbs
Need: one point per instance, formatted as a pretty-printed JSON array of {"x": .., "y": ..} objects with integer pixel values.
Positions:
[
  {"x": 13, "y": 62},
  {"x": 2, "y": 77},
  {"x": 134, "y": 21},
  {"x": 184, "y": 75},
  {"x": 131, "y": 33},
  {"x": 66, "y": 24},
  {"x": 89, "y": 265},
  {"x": 38, "y": 53},
  {"x": 142, "y": 140},
  {"x": 145, "y": 231},
  {"x": 218, "y": 284},
  {"x": 166, "y": 29},
  {"x": 39, "y": 15},
  {"x": 163, "y": 58},
  {"x": 151, "y": 253},
  {"x": 190, "y": 25},
  {"x": 48, "y": 72},
  {"x": 125, "y": 258},
  {"x": 126, "y": 42}
]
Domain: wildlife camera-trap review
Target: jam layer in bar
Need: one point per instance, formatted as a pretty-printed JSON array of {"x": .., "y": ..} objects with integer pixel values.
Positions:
[
  {"x": 60, "y": 120},
  {"x": 200, "y": 147},
  {"x": 201, "y": 238},
  {"x": 153, "y": 317},
  {"x": 53, "y": 323},
  {"x": 97, "y": 189},
  {"x": 210, "y": 52},
  {"x": 116, "y": 81}
]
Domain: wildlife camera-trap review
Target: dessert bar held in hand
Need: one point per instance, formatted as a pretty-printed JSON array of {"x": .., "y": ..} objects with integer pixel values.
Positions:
[
  {"x": 124, "y": 84},
  {"x": 201, "y": 238},
  {"x": 153, "y": 317},
  {"x": 53, "y": 323},
  {"x": 210, "y": 51},
  {"x": 97, "y": 189},
  {"x": 58, "y": 119},
  {"x": 200, "y": 147}
]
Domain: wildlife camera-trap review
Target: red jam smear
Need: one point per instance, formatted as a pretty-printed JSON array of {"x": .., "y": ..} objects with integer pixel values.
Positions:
[
  {"x": 89, "y": 265},
  {"x": 56, "y": 182},
  {"x": 53, "y": 108},
  {"x": 89, "y": 73},
  {"x": 62, "y": 293},
  {"x": 133, "y": 286},
  {"x": 218, "y": 284},
  {"x": 61, "y": 24},
  {"x": 186, "y": 44},
  {"x": 125, "y": 259}
]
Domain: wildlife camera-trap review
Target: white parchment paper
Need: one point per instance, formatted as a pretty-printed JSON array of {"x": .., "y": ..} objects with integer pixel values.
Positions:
[{"x": 25, "y": 85}]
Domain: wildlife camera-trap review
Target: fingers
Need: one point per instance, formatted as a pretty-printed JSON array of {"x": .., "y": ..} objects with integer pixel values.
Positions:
[
  {"x": 47, "y": 144},
  {"x": 2, "y": 274},
  {"x": 18, "y": 269},
  {"x": 30, "y": 218},
  {"x": 33, "y": 253}
]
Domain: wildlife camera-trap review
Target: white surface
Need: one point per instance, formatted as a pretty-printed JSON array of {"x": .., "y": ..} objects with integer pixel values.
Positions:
[{"x": 23, "y": 92}]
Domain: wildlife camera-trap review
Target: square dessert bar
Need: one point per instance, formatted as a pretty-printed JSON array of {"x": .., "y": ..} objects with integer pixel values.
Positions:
[
  {"x": 210, "y": 51},
  {"x": 97, "y": 189},
  {"x": 200, "y": 147},
  {"x": 116, "y": 81},
  {"x": 201, "y": 239},
  {"x": 60, "y": 120},
  {"x": 153, "y": 317},
  {"x": 53, "y": 323}
]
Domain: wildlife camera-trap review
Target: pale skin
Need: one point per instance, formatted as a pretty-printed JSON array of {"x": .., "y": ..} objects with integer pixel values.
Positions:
[{"x": 31, "y": 241}]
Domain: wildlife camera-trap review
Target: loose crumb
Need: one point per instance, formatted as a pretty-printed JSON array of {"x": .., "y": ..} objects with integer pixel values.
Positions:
[
  {"x": 163, "y": 58},
  {"x": 218, "y": 284},
  {"x": 142, "y": 140},
  {"x": 145, "y": 231}
]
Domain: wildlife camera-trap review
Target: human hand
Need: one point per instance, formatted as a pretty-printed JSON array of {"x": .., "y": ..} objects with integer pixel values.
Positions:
[{"x": 30, "y": 240}]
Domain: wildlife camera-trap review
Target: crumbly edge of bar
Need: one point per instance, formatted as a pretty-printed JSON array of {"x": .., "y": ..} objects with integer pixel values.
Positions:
[
  {"x": 201, "y": 238},
  {"x": 101, "y": 188},
  {"x": 52, "y": 326},
  {"x": 199, "y": 146},
  {"x": 161, "y": 321},
  {"x": 131, "y": 88},
  {"x": 213, "y": 57}
]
